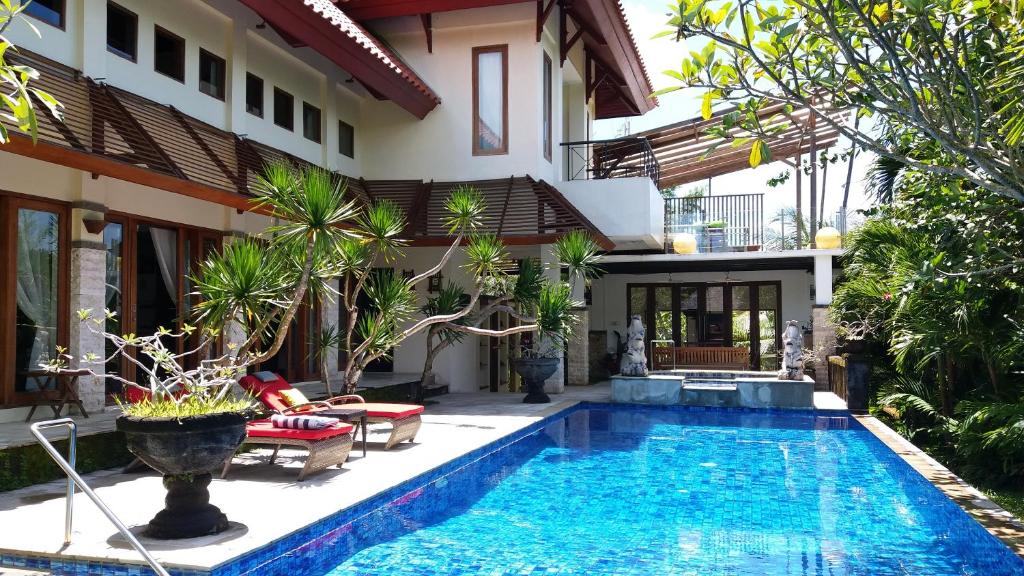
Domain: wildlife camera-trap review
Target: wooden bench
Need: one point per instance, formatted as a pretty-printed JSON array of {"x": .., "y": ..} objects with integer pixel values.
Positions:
[{"x": 701, "y": 357}]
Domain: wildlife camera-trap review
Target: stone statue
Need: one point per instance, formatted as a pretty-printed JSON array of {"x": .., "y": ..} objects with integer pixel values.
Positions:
[
  {"x": 634, "y": 361},
  {"x": 792, "y": 353}
]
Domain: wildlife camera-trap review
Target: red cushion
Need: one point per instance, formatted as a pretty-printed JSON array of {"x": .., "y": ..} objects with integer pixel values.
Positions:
[
  {"x": 265, "y": 429},
  {"x": 394, "y": 411},
  {"x": 269, "y": 393}
]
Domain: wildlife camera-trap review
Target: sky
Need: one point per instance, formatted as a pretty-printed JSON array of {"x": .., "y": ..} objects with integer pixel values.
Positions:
[{"x": 648, "y": 17}]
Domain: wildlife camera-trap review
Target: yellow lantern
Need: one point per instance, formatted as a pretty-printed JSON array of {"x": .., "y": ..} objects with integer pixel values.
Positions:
[
  {"x": 828, "y": 238},
  {"x": 684, "y": 243}
]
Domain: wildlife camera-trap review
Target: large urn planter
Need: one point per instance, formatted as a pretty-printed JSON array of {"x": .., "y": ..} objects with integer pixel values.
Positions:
[
  {"x": 534, "y": 371},
  {"x": 185, "y": 450}
]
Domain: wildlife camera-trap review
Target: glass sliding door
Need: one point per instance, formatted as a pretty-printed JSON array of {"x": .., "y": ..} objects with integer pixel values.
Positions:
[
  {"x": 689, "y": 324},
  {"x": 769, "y": 328},
  {"x": 741, "y": 336},
  {"x": 33, "y": 298},
  {"x": 113, "y": 242},
  {"x": 36, "y": 294}
]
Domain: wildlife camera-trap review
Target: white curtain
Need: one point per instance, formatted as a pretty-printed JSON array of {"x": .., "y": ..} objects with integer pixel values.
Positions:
[
  {"x": 37, "y": 277},
  {"x": 165, "y": 244}
]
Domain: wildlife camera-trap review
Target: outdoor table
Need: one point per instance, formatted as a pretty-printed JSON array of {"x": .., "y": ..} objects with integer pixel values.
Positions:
[
  {"x": 346, "y": 414},
  {"x": 57, "y": 390}
]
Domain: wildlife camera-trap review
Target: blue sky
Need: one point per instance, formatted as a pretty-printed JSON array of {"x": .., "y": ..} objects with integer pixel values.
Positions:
[{"x": 648, "y": 17}]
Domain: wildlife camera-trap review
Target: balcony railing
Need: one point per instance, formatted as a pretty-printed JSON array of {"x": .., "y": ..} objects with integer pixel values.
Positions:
[
  {"x": 726, "y": 223},
  {"x": 615, "y": 158}
]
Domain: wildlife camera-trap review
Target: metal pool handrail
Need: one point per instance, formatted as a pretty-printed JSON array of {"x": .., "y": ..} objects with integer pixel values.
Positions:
[{"x": 68, "y": 466}]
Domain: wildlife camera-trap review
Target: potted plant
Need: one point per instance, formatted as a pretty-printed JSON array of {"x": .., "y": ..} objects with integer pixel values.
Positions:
[
  {"x": 539, "y": 357},
  {"x": 179, "y": 414},
  {"x": 716, "y": 234}
]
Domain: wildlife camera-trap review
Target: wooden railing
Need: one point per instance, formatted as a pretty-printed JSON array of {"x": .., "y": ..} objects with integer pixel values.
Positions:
[
  {"x": 726, "y": 358},
  {"x": 837, "y": 376}
]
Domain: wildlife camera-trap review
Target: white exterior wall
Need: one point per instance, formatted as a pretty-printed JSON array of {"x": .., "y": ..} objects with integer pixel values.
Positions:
[
  {"x": 440, "y": 147},
  {"x": 629, "y": 211},
  {"x": 218, "y": 26},
  {"x": 608, "y": 308}
]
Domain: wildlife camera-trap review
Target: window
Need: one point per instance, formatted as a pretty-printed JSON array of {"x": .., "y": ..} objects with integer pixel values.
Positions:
[
  {"x": 49, "y": 11},
  {"x": 169, "y": 54},
  {"x": 122, "y": 32},
  {"x": 546, "y": 127},
  {"x": 311, "y": 122},
  {"x": 254, "y": 95},
  {"x": 490, "y": 100},
  {"x": 211, "y": 74},
  {"x": 346, "y": 139},
  {"x": 284, "y": 115}
]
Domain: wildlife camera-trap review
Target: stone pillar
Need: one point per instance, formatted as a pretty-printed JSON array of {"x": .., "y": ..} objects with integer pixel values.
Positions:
[
  {"x": 329, "y": 311},
  {"x": 552, "y": 273},
  {"x": 578, "y": 352},
  {"x": 87, "y": 292},
  {"x": 823, "y": 343}
]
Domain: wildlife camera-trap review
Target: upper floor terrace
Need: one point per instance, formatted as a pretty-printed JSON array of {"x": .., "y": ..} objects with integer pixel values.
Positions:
[{"x": 618, "y": 184}]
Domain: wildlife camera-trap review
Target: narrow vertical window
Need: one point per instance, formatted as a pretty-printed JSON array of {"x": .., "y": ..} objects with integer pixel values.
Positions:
[
  {"x": 49, "y": 11},
  {"x": 169, "y": 54},
  {"x": 490, "y": 100},
  {"x": 284, "y": 109},
  {"x": 311, "y": 122},
  {"x": 346, "y": 139},
  {"x": 212, "y": 74},
  {"x": 122, "y": 32},
  {"x": 546, "y": 128},
  {"x": 254, "y": 95}
]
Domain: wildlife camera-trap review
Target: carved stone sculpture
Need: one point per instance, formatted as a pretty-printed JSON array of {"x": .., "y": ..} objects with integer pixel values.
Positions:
[
  {"x": 634, "y": 361},
  {"x": 792, "y": 353}
]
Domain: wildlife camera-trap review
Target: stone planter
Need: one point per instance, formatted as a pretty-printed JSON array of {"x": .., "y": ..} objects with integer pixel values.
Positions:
[
  {"x": 185, "y": 451},
  {"x": 534, "y": 371}
]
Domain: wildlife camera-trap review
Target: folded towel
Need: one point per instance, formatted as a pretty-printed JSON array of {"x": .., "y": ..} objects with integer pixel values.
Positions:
[{"x": 302, "y": 422}]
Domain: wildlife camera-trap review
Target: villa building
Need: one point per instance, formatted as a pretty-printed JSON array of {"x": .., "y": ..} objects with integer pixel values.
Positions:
[{"x": 171, "y": 108}]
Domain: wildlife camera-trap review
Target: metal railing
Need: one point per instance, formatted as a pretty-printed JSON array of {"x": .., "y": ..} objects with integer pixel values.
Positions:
[
  {"x": 615, "y": 158},
  {"x": 725, "y": 223},
  {"x": 68, "y": 466}
]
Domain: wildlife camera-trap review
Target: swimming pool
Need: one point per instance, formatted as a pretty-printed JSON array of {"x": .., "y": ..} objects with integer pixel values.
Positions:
[{"x": 631, "y": 490}]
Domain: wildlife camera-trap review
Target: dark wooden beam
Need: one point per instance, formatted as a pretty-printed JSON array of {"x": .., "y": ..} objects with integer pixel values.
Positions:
[
  {"x": 542, "y": 15},
  {"x": 428, "y": 29},
  {"x": 96, "y": 164}
]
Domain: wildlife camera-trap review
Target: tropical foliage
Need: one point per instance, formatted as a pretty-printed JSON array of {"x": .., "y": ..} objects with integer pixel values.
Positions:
[
  {"x": 946, "y": 72},
  {"x": 18, "y": 99}
]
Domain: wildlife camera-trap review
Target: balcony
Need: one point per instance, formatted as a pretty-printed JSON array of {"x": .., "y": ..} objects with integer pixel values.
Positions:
[
  {"x": 629, "y": 157},
  {"x": 726, "y": 223}
]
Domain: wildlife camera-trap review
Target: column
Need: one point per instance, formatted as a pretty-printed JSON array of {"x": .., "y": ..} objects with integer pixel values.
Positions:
[
  {"x": 329, "y": 312},
  {"x": 93, "y": 38},
  {"x": 553, "y": 274},
  {"x": 578, "y": 348},
  {"x": 87, "y": 292},
  {"x": 822, "y": 279},
  {"x": 236, "y": 76},
  {"x": 823, "y": 338}
]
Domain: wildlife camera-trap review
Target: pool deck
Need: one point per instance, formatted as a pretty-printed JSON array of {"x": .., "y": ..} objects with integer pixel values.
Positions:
[
  {"x": 267, "y": 503},
  {"x": 265, "y": 500}
]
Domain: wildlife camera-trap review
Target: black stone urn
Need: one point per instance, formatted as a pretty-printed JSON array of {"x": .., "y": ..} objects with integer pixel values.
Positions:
[
  {"x": 534, "y": 371},
  {"x": 185, "y": 450}
]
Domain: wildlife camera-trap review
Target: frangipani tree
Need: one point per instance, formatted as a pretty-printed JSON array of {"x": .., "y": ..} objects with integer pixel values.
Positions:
[
  {"x": 16, "y": 94},
  {"x": 946, "y": 71}
]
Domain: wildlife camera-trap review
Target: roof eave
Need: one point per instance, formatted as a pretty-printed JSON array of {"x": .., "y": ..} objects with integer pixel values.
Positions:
[{"x": 300, "y": 21}]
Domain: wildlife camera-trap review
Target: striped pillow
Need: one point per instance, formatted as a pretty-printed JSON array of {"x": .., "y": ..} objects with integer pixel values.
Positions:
[{"x": 302, "y": 422}]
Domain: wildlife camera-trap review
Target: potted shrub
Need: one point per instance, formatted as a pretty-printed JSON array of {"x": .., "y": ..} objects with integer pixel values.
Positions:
[
  {"x": 180, "y": 416},
  {"x": 539, "y": 357},
  {"x": 716, "y": 235}
]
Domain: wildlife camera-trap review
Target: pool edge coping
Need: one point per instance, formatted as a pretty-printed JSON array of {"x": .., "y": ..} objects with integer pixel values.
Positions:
[{"x": 992, "y": 517}]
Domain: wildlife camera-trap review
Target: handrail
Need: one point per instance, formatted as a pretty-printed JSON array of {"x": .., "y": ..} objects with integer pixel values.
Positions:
[
  {"x": 74, "y": 479},
  {"x": 626, "y": 157}
]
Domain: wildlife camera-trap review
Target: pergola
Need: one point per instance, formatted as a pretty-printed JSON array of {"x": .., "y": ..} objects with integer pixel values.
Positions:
[
  {"x": 110, "y": 132},
  {"x": 681, "y": 149}
]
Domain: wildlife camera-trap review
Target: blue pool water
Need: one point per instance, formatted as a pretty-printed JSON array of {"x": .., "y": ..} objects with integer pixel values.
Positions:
[{"x": 627, "y": 490}]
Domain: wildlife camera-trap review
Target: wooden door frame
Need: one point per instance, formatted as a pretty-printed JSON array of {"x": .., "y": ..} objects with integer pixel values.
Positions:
[
  {"x": 10, "y": 203},
  {"x": 650, "y": 311}
]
